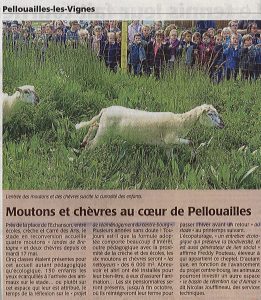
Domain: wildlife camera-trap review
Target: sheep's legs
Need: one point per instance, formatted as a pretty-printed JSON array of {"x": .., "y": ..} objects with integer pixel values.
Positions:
[
  {"x": 97, "y": 139},
  {"x": 90, "y": 135},
  {"x": 183, "y": 141},
  {"x": 94, "y": 143},
  {"x": 172, "y": 140}
]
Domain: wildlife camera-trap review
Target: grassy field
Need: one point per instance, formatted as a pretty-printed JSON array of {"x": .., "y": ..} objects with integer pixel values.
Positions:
[{"x": 39, "y": 140}]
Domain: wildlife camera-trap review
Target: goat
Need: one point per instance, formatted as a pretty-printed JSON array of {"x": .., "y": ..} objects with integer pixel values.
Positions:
[
  {"x": 142, "y": 127},
  {"x": 24, "y": 93}
]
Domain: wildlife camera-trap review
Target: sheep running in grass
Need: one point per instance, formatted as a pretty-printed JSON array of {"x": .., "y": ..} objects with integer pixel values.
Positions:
[
  {"x": 24, "y": 93},
  {"x": 142, "y": 127}
]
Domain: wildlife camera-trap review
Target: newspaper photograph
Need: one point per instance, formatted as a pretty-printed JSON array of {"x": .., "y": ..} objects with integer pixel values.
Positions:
[{"x": 131, "y": 151}]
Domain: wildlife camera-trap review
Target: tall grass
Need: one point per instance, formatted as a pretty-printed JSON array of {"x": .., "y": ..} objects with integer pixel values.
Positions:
[{"x": 73, "y": 86}]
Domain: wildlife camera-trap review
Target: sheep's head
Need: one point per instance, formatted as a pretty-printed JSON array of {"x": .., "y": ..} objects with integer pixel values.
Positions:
[
  {"x": 210, "y": 117},
  {"x": 28, "y": 94}
]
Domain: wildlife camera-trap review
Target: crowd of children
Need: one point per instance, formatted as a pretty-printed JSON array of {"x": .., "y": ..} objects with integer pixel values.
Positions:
[{"x": 223, "y": 53}]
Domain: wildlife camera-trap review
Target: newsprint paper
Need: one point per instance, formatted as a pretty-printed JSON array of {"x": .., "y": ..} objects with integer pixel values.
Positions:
[{"x": 131, "y": 149}]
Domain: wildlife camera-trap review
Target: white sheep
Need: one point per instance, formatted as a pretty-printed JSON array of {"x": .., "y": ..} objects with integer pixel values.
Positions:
[
  {"x": 142, "y": 127},
  {"x": 24, "y": 93}
]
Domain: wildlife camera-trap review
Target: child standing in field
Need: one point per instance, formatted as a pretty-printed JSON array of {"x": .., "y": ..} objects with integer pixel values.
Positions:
[
  {"x": 173, "y": 47},
  {"x": 59, "y": 36},
  {"x": 231, "y": 55},
  {"x": 226, "y": 35},
  {"x": 189, "y": 47},
  {"x": 206, "y": 53},
  {"x": 196, "y": 38},
  {"x": 111, "y": 52},
  {"x": 252, "y": 30},
  {"x": 145, "y": 34},
  {"x": 247, "y": 55},
  {"x": 48, "y": 36},
  {"x": 60, "y": 24},
  {"x": 25, "y": 38},
  {"x": 40, "y": 45},
  {"x": 216, "y": 66},
  {"x": 158, "y": 53},
  {"x": 38, "y": 34},
  {"x": 137, "y": 55},
  {"x": 84, "y": 37},
  {"x": 145, "y": 40},
  {"x": 30, "y": 29},
  {"x": 44, "y": 41},
  {"x": 15, "y": 36},
  {"x": 98, "y": 41},
  {"x": 211, "y": 34},
  {"x": 72, "y": 35}
]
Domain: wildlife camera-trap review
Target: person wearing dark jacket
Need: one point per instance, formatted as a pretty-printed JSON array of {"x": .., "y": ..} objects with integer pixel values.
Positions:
[
  {"x": 145, "y": 40},
  {"x": 158, "y": 53},
  {"x": 231, "y": 56},
  {"x": 253, "y": 31},
  {"x": 137, "y": 54},
  {"x": 216, "y": 66},
  {"x": 111, "y": 52},
  {"x": 247, "y": 55},
  {"x": 189, "y": 47}
]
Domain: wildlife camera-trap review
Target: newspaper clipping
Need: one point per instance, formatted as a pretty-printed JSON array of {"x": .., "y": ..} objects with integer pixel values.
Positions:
[{"x": 131, "y": 151}]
